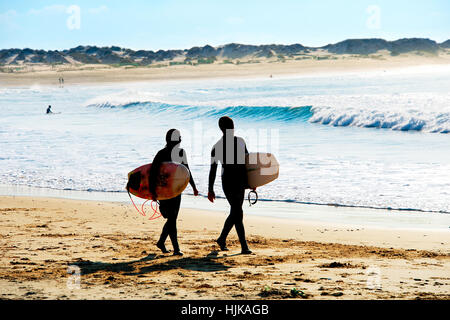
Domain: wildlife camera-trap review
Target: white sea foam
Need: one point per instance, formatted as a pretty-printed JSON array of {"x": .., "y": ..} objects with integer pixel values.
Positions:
[{"x": 411, "y": 112}]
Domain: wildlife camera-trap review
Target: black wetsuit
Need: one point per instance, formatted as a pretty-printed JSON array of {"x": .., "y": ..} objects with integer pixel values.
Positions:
[
  {"x": 234, "y": 182},
  {"x": 169, "y": 208}
]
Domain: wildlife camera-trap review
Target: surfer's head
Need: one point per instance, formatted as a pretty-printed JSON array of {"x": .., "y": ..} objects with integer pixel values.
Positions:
[
  {"x": 173, "y": 137},
  {"x": 226, "y": 124}
]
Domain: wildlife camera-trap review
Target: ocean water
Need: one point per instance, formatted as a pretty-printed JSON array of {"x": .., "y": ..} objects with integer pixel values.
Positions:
[{"x": 374, "y": 139}]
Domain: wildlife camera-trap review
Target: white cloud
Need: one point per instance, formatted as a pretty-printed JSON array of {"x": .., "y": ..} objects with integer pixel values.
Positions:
[
  {"x": 101, "y": 9},
  {"x": 53, "y": 9}
]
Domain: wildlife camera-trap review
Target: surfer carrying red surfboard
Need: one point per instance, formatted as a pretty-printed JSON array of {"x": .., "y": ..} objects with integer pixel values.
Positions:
[
  {"x": 230, "y": 151},
  {"x": 169, "y": 208}
]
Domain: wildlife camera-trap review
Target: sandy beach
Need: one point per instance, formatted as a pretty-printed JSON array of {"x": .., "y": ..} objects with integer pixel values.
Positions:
[
  {"x": 36, "y": 74},
  {"x": 46, "y": 241}
]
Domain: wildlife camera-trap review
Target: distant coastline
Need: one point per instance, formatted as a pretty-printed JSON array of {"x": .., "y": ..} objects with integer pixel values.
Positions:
[
  {"x": 94, "y": 65},
  {"x": 229, "y": 53}
]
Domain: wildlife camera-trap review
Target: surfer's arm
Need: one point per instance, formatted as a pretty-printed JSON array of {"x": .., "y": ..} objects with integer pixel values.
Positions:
[
  {"x": 246, "y": 153},
  {"x": 212, "y": 178},
  {"x": 191, "y": 179},
  {"x": 212, "y": 175}
]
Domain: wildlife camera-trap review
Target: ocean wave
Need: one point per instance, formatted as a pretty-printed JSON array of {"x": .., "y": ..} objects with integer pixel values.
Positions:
[
  {"x": 398, "y": 120},
  {"x": 257, "y": 113},
  {"x": 395, "y": 118}
]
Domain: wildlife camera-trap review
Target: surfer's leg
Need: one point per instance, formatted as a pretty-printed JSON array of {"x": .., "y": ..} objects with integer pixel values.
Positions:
[
  {"x": 221, "y": 241},
  {"x": 165, "y": 232},
  {"x": 172, "y": 220},
  {"x": 235, "y": 197},
  {"x": 238, "y": 216},
  {"x": 166, "y": 228},
  {"x": 229, "y": 222}
]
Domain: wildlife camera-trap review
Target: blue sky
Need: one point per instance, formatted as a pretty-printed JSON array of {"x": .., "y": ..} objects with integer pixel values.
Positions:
[{"x": 175, "y": 24}]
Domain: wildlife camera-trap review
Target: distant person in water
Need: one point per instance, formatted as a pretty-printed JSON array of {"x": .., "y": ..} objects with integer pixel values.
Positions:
[
  {"x": 49, "y": 109},
  {"x": 169, "y": 208},
  {"x": 230, "y": 151}
]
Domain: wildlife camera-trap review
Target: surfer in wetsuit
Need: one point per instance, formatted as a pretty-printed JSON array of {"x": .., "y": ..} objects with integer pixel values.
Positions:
[
  {"x": 230, "y": 151},
  {"x": 169, "y": 208},
  {"x": 49, "y": 110}
]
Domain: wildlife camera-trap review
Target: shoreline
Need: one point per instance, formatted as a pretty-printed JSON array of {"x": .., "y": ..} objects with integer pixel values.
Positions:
[
  {"x": 114, "y": 249},
  {"x": 288, "y": 226},
  {"x": 104, "y": 74},
  {"x": 310, "y": 212}
]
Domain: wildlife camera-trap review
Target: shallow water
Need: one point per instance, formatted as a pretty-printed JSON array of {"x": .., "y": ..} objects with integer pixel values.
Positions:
[{"x": 377, "y": 139}]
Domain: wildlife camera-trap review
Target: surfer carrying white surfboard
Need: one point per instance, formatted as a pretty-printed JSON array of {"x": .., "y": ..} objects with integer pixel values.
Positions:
[
  {"x": 169, "y": 208},
  {"x": 230, "y": 151}
]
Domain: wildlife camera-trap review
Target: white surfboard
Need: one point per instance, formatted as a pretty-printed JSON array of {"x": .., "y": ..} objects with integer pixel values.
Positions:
[{"x": 262, "y": 168}]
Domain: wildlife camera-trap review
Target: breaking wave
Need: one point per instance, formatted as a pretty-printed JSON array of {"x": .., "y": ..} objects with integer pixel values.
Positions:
[{"x": 395, "y": 119}]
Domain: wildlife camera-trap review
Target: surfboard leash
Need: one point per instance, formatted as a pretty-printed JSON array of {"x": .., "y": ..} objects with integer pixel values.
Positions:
[
  {"x": 155, "y": 209},
  {"x": 254, "y": 201},
  {"x": 156, "y": 214}
]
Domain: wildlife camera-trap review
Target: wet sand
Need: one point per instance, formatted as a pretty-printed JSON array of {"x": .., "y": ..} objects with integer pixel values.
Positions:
[{"x": 46, "y": 241}]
